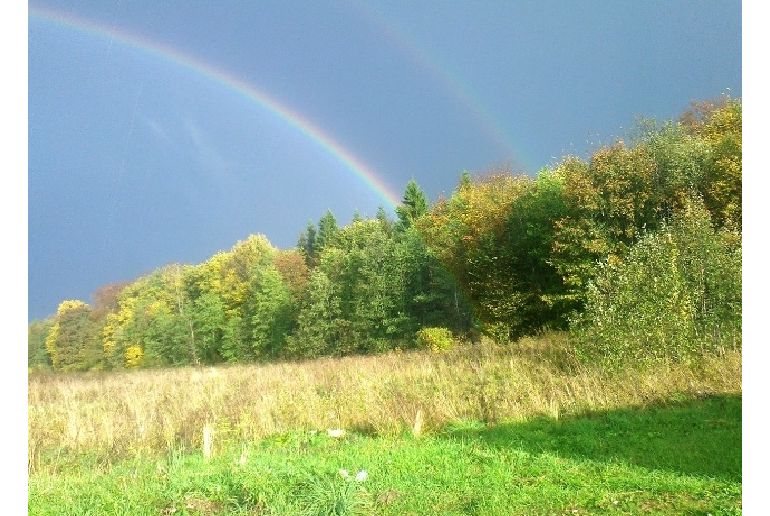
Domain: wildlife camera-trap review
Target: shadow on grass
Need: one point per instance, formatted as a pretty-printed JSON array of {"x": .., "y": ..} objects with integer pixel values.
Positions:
[{"x": 700, "y": 437}]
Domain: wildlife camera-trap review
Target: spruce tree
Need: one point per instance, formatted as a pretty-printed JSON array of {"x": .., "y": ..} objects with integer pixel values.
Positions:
[
  {"x": 307, "y": 243},
  {"x": 413, "y": 206},
  {"x": 327, "y": 231}
]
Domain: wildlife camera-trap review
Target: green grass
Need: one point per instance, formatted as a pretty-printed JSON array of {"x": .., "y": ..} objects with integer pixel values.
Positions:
[{"x": 679, "y": 458}]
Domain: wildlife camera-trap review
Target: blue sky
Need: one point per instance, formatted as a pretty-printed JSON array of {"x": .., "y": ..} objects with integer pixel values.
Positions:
[{"x": 136, "y": 161}]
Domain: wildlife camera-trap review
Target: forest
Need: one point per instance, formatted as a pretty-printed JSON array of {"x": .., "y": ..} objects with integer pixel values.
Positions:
[{"x": 634, "y": 251}]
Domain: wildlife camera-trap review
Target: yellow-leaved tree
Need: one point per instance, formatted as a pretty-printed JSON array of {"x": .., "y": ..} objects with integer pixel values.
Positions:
[{"x": 73, "y": 342}]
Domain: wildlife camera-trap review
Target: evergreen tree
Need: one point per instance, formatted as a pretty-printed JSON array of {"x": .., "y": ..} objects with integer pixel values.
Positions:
[
  {"x": 307, "y": 244},
  {"x": 413, "y": 206},
  {"x": 465, "y": 180},
  {"x": 384, "y": 220},
  {"x": 327, "y": 231},
  {"x": 302, "y": 243},
  {"x": 318, "y": 322}
]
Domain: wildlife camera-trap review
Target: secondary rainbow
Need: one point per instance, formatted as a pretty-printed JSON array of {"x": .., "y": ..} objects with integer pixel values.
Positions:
[
  {"x": 251, "y": 92},
  {"x": 451, "y": 82}
]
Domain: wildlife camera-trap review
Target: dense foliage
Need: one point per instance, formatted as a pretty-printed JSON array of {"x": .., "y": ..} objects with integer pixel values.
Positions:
[
  {"x": 636, "y": 250},
  {"x": 676, "y": 295}
]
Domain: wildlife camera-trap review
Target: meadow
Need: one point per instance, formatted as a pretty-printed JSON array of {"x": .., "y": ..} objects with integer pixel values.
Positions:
[
  {"x": 602, "y": 297},
  {"x": 481, "y": 429}
]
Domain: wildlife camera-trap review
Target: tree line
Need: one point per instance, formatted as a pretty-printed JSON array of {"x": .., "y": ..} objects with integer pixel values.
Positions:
[{"x": 635, "y": 250}]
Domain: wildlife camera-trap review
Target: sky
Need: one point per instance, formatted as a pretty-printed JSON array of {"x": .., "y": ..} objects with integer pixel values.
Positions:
[{"x": 163, "y": 132}]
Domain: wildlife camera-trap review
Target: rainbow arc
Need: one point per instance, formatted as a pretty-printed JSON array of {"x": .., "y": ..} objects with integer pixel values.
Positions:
[{"x": 251, "y": 92}]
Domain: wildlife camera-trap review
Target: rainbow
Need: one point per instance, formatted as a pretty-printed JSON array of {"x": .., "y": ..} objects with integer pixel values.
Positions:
[
  {"x": 223, "y": 78},
  {"x": 450, "y": 82}
]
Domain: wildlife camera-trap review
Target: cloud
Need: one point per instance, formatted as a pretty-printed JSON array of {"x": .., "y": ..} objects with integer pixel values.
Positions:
[
  {"x": 210, "y": 158},
  {"x": 157, "y": 129}
]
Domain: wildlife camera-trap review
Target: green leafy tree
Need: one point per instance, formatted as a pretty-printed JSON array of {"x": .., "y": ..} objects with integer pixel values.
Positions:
[
  {"x": 722, "y": 131},
  {"x": 432, "y": 296},
  {"x": 148, "y": 329},
  {"x": 470, "y": 233},
  {"x": 210, "y": 324},
  {"x": 384, "y": 220},
  {"x": 73, "y": 342},
  {"x": 371, "y": 274},
  {"x": 318, "y": 325},
  {"x": 273, "y": 312},
  {"x": 37, "y": 356},
  {"x": 525, "y": 253},
  {"x": 230, "y": 276},
  {"x": 676, "y": 295}
]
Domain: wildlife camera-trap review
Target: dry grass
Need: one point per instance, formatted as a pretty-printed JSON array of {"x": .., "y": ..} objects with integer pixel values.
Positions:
[{"x": 155, "y": 411}]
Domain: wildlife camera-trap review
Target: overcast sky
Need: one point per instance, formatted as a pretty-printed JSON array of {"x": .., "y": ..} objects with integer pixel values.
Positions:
[{"x": 164, "y": 131}]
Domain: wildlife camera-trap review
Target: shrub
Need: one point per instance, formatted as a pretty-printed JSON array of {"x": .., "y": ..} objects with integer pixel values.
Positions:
[
  {"x": 134, "y": 355},
  {"x": 437, "y": 339}
]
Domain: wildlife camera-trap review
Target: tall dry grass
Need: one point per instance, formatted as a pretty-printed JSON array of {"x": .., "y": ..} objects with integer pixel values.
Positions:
[{"x": 113, "y": 415}]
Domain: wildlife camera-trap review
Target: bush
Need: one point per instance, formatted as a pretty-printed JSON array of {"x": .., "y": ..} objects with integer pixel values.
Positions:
[
  {"x": 134, "y": 355},
  {"x": 437, "y": 339},
  {"x": 677, "y": 294},
  {"x": 499, "y": 332}
]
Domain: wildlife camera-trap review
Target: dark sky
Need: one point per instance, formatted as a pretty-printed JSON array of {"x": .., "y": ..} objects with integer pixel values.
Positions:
[{"x": 141, "y": 153}]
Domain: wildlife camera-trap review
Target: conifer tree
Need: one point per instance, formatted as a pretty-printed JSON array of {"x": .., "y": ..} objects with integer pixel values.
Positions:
[
  {"x": 384, "y": 220},
  {"x": 327, "y": 231},
  {"x": 307, "y": 243},
  {"x": 465, "y": 180},
  {"x": 413, "y": 205}
]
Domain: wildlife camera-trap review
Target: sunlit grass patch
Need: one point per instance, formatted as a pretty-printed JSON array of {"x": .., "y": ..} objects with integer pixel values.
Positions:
[{"x": 664, "y": 459}]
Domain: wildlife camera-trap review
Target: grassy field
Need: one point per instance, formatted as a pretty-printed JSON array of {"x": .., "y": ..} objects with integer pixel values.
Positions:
[{"x": 488, "y": 429}]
